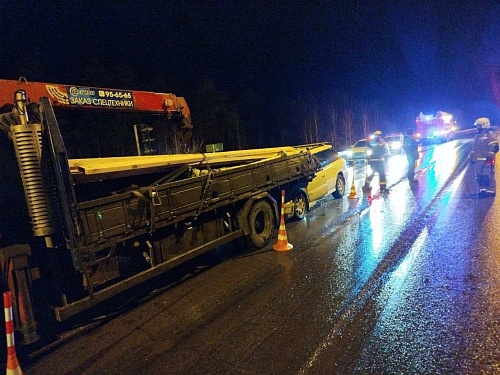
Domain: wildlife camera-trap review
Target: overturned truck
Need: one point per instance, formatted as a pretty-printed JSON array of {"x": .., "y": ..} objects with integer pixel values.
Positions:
[{"x": 100, "y": 226}]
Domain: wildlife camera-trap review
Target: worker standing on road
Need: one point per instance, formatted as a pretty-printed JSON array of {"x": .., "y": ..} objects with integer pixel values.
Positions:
[
  {"x": 410, "y": 145},
  {"x": 376, "y": 161},
  {"x": 482, "y": 157}
]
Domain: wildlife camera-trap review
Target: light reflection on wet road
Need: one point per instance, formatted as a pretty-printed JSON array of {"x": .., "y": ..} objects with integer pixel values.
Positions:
[{"x": 437, "y": 309}]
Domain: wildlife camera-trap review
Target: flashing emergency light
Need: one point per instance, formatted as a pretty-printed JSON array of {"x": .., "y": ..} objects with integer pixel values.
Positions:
[{"x": 447, "y": 118}]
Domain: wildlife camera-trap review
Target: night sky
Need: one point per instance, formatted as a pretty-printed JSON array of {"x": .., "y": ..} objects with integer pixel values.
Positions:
[{"x": 402, "y": 58}]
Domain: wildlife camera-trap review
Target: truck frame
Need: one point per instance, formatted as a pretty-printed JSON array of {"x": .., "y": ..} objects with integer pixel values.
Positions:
[{"x": 101, "y": 226}]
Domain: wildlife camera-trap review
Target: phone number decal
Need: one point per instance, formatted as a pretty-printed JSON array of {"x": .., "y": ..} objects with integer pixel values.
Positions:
[{"x": 100, "y": 97}]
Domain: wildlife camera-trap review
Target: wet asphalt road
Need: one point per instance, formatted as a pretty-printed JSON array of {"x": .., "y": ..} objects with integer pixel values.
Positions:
[{"x": 403, "y": 283}]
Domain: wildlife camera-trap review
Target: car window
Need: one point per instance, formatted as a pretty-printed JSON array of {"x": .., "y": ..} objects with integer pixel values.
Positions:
[
  {"x": 362, "y": 143},
  {"x": 327, "y": 156}
]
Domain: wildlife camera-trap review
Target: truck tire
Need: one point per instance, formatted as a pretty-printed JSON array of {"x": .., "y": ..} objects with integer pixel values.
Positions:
[
  {"x": 339, "y": 187},
  {"x": 261, "y": 223}
]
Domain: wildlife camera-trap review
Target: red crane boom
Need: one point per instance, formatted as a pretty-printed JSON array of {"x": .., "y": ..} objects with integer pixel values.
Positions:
[{"x": 62, "y": 95}]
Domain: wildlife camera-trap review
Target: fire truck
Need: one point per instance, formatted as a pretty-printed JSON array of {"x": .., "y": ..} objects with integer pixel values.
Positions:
[
  {"x": 437, "y": 128},
  {"x": 98, "y": 227}
]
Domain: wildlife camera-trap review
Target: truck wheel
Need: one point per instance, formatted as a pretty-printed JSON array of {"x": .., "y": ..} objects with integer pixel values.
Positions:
[
  {"x": 261, "y": 222},
  {"x": 300, "y": 206},
  {"x": 339, "y": 187}
]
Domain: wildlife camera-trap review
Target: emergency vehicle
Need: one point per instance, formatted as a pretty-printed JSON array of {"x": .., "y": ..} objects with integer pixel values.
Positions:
[{"x": 437, "y": 128}]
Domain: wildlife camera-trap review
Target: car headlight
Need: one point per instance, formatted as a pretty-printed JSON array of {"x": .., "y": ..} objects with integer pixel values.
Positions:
[
  {"x": 396, "y": 145},
  {"x": 348, "y": 153},
  {"x": 368, "y": 152}
]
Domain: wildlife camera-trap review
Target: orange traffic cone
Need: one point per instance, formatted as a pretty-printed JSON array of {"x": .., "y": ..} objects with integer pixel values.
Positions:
[
  {"x": 282, "y": 243},
  {"x": 13, "y": 367},
  {"x": 352, "y": 194}
]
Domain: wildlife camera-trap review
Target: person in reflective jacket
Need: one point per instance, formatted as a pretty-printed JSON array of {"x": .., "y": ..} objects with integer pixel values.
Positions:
[
  {"x": 377, "y": 161},
  {"x": 482, "y": 157}
]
